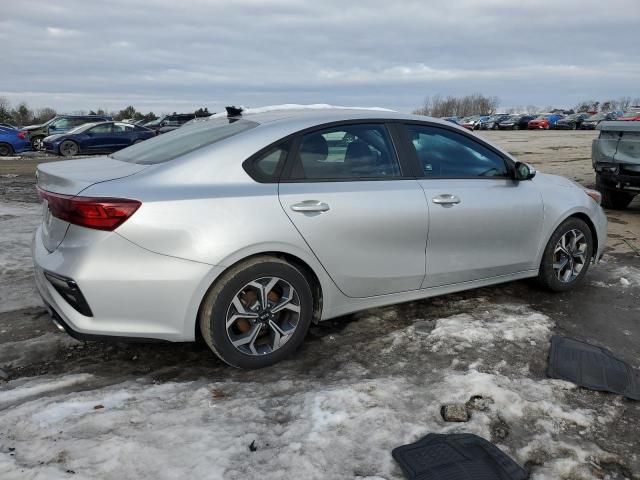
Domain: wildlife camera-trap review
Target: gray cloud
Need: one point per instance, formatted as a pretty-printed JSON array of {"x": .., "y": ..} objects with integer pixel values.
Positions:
[{"x": 170, "y": 55}]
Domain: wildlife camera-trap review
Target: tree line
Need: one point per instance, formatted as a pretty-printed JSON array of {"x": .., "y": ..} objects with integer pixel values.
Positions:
[
  {"x": 479, "y": 104},
  {"x": 21, "y": 114}
]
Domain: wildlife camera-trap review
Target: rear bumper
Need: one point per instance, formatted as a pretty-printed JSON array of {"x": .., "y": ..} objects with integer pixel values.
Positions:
[{"x": 133, "y": 294}]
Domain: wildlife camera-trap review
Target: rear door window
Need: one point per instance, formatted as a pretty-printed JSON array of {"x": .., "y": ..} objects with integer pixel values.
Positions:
[
  {"x": 353, "y": 151},
  {"x": 182, "y": 141}
]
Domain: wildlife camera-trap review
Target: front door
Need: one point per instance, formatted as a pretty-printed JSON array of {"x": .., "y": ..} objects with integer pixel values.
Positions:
[
  {"x": 482, "y": 223},
  {"x": 364, "y": 221}
]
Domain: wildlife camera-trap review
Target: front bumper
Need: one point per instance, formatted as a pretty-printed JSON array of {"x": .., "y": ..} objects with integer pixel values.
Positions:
[{"x": 132, "y": 293}]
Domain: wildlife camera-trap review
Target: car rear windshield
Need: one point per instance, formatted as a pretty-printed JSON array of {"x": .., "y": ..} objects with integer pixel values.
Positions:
[{"x": 183, "y": 140}]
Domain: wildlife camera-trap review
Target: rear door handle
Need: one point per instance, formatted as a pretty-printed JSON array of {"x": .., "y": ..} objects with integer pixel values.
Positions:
[
  {"x": 446, "y": 199},
  {"x": 310, "y": 206}
]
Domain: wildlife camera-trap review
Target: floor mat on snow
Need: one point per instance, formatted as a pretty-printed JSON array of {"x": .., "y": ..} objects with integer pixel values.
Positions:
[
  {"x": 456, "y": 457},
  {"x": 592, "y": 367}
]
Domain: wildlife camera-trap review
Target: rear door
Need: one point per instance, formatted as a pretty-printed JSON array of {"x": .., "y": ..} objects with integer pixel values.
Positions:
[
  {"x": 364, "y": 220},
  {"x": 482, "y": 223},
  {"x": 123, "y": 135},
  {"x": 100, "y": 138}
]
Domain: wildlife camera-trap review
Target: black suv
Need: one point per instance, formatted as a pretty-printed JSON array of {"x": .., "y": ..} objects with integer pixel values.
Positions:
[
  {"x": 59, "y": 124},
  {"x": 169, "y": 122}
]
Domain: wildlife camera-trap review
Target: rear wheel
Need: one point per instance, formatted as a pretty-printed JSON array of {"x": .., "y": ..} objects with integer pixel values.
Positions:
[
  {"x": 69, "y": 148},
  {"x": 257, "y": 313},
  {"x": 613, "y": 199},
  {"x": 6, "y": 150},
  {"x": 567, "y": 256}
]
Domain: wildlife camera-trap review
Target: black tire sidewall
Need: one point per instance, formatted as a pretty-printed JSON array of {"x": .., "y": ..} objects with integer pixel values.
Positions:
[
  {"x": 70, "y": 141},
  {"x": 220, "y": 342},
  {"x": 9, "y": 148},
  {"x": 547, "y": 276}
]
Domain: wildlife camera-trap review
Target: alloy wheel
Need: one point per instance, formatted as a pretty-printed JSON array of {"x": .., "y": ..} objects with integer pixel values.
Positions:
[
  {"x": 263, "y": 316},
  {"x": 36, "y": 143},
  {"x": 569, "y": 256},
  {"x": 69, "y": 149}
]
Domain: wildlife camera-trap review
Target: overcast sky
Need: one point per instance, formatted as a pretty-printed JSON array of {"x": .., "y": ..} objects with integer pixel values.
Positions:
[{"x": 176, "y": 55}]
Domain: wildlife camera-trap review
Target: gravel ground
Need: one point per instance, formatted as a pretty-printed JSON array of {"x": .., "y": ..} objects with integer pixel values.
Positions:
[{"x": 360, "y": 386}]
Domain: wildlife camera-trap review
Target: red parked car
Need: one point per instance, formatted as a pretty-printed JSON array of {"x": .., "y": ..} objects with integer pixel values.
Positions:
[
  {"x": 630, "y": 117},
  {"x": 545, "y": 121}
]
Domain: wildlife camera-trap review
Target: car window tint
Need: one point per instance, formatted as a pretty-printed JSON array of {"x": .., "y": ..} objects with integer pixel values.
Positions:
[
  {"x": 102, "y": 128},
  {"x": 123, "y": 127},
  {"x": 183, "y": 140},
  {"x": 444, "y": 153},
  {"x": 265, "y": 167},
  {"x": 347, "y": 151}
]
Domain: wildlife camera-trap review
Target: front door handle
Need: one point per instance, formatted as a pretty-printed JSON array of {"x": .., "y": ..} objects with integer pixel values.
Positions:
[
  {"x": 446, "y": 199},
  {"x": 310, "y": 206}
]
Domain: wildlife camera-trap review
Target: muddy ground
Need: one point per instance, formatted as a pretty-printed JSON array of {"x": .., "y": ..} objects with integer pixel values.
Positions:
[{"x": 360, "y": 385}]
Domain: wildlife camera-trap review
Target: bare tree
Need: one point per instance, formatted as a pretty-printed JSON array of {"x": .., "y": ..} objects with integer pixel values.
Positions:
[
  {"x": 5, "y": 110},
  {"x": 475, "y": 104},
  {"x": 44, "y": 114}
]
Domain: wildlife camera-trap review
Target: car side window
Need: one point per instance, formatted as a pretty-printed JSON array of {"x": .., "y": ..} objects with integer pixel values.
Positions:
[
  {"x": 61, "y": 123},
  {"x": 266, "y": 166},
  {"x": 100, "y": 129},
  {"x": 359, "y": 151},
  {"x": 447, "y": 154},
  {"x": 122, "y": 128}
]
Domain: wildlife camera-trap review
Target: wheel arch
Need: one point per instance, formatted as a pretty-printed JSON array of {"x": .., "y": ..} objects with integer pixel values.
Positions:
[
  {"x": 306, "y": 269},
  {"x": 594, "y": 233}
]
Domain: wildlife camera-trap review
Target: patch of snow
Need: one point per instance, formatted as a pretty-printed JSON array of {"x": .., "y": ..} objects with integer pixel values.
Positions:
[
  {"x": 30, "y": 388},
  {"x": 18, "y": 221},
  {"x": 627, "y": 276},
  {"x": 340, "y": 424},
  {"x": 296, "y": 106}
]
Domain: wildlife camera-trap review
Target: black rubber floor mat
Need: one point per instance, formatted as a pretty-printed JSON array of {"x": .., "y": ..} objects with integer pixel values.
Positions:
[
  {"x": 456, "y": 457},
  {"x": 592, "y": 367}
]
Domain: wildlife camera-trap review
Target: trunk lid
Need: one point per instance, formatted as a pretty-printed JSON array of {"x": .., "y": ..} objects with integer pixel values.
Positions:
[{"x": 71, "y": 177}]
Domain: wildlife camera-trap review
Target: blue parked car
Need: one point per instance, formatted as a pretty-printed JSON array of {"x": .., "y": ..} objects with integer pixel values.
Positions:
[
  {"x": 103, "y": 137},
  {"x": 13, "y": 141}
]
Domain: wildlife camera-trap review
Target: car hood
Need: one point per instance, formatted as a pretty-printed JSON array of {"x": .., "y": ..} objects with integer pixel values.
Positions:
[
  {"x": 32, "y": 127},
  {"x": 53, "y": 138}
]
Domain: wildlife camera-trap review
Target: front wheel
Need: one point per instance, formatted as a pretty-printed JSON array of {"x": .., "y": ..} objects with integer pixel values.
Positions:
[
  {"x": 257, "y": 313},
  {"x": 567, "y": 256}
]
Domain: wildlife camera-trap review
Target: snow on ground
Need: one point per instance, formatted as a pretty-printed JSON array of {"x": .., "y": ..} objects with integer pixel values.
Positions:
[
  {"x": 18, "y": 221},
  {"x": 340, "y": 420}
]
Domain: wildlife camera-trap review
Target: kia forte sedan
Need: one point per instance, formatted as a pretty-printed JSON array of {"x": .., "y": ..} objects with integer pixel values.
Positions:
[{"x": 246, "y": 229}]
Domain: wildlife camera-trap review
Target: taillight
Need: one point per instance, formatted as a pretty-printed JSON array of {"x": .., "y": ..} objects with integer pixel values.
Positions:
[
  {"x": 91, "y": 212},
  {"x": 22, "y": 135}
]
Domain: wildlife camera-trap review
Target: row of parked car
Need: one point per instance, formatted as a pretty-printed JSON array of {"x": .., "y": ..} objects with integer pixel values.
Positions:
[
  {"x": 542, "y": 121},
  {"x": 70, "y": 135}
]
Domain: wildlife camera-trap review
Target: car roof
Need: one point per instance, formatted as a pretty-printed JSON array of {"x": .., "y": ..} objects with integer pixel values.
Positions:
[{"x": 301, "y": 117}]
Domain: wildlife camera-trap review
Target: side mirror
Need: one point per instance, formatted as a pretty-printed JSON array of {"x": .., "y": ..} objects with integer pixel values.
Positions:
[{"x": 524, "y": 171}]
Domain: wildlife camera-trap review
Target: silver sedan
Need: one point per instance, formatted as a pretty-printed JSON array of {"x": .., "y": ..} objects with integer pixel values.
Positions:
[{"x": 247, "y": 228}]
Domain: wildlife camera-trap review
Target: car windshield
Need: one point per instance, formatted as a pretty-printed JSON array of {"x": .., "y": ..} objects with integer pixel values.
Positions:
[
  {"x": 153, "y": 123},
  {"x": 183, "y": 140}
]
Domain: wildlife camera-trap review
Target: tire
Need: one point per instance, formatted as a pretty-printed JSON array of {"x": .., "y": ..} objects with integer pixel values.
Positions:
[
  {"x": 574, "y": 126},
  {"x": 560, "y": 279},
  {"x": 6, "y": 150},
  {"x": 36, "y": 143},
  {"x": 236, "y": 288},
  {"x": 69, "y": 148},
  {"x": 613, "y": 199}
]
